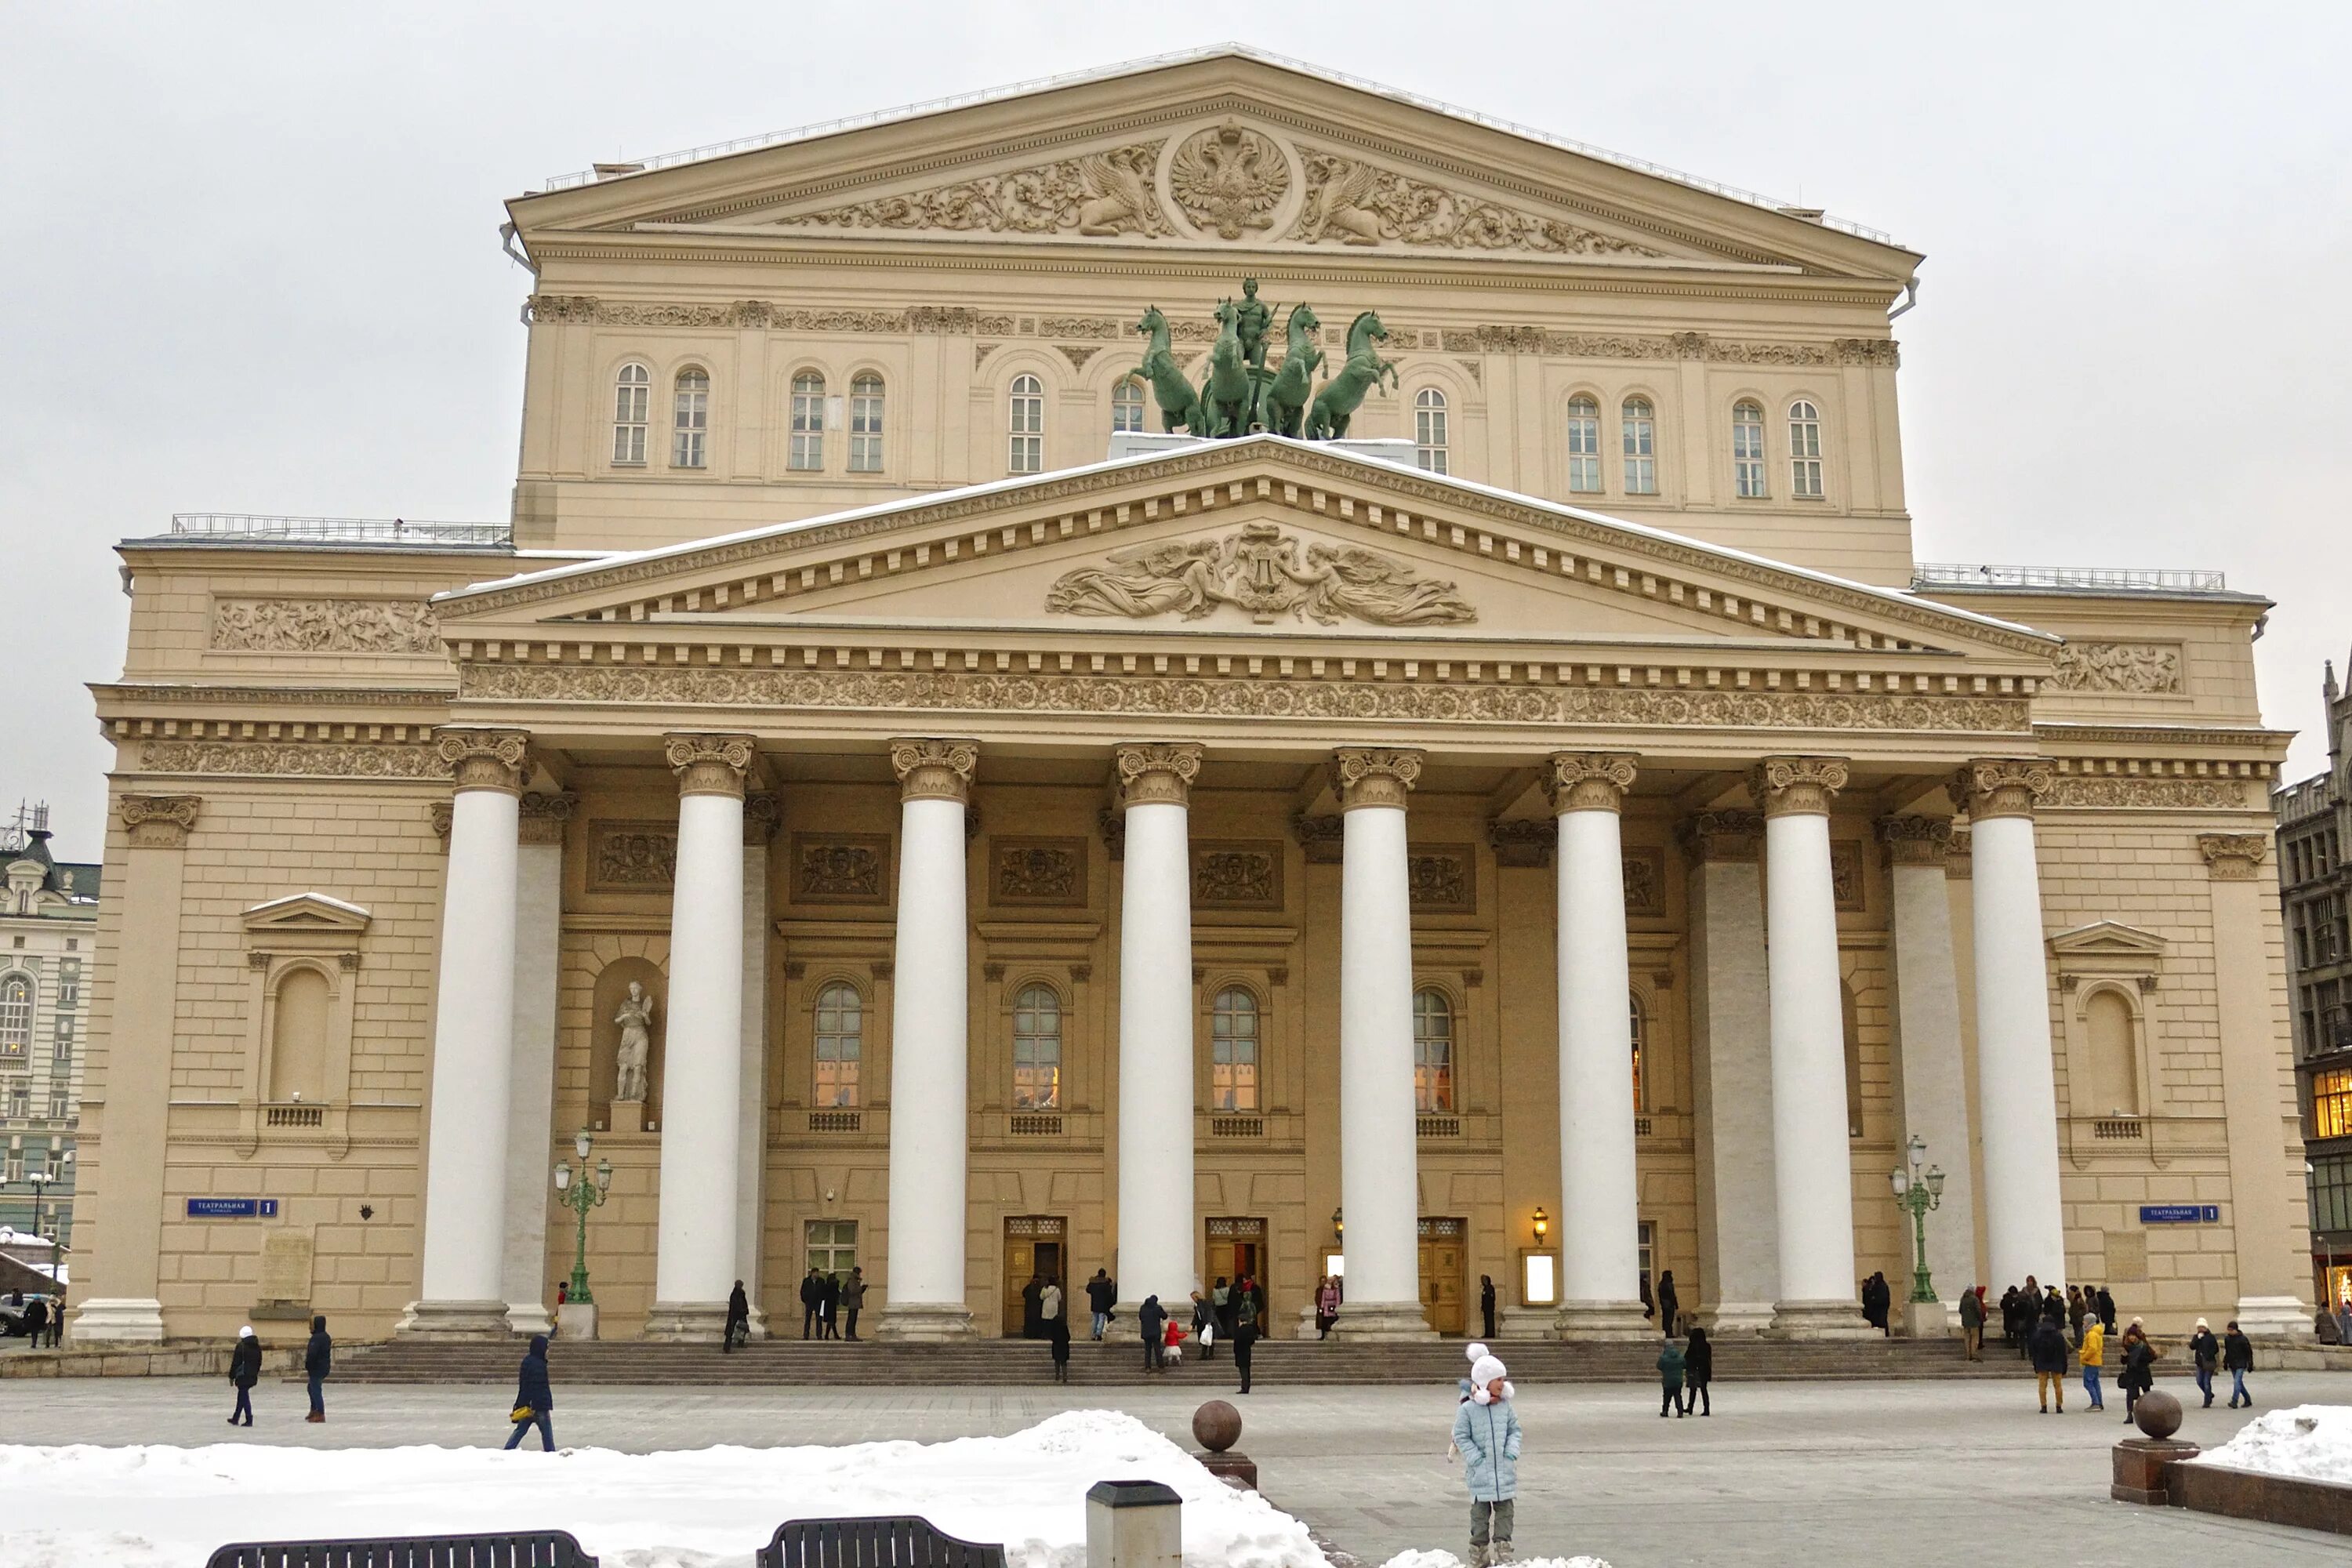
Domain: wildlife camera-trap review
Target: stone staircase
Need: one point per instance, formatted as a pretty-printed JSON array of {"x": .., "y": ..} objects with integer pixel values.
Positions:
[{"x": 793, "y": 1363}]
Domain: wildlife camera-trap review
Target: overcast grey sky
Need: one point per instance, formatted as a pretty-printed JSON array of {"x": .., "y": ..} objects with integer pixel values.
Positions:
[{"x": 248, "y": 259}]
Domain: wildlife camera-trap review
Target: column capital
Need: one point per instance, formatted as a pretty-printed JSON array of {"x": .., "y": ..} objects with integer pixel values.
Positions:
[
  {"x": 1796, "y": 786},
  {"x": 485, "y": 759},
  {"x": 934, "y": 768},
  {"x": 2233, "y": 856},
  {"x": 1320, "y": 838},
  {"x": 709, "y": 764},
  {"x": 1587, "y": 781},
  {"x": 1369, "y": 776},
  {"x": 1723, "y": 836},
  {"x": 1156, "y": 772},
  {"x": 159, "y": 821},
  {"x": 1916, "y": 840},
  {"x": 2000, "y": 786},
  {"x": 543, "y": 818},
  {"x": 763, "y": 813}
]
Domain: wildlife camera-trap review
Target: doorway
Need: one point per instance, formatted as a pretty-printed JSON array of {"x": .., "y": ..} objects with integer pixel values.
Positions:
[
  {"x": 1444, "y": 1258},
  {"x": 1034, "y": 1246},
  {"x": 1237, "y": 1250}
]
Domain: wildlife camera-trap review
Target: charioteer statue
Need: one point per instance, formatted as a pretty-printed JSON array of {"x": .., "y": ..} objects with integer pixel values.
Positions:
[{"x": 1240, "y": 394}]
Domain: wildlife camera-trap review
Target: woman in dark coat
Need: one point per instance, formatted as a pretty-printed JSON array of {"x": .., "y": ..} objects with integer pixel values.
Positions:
[
  {"x": 1698, "y": 1371},
  {"x": 1670, "y": 1303},
  {"x": 534, "y": 1401},
  {"x": 243, "y": 1372},
  {"x": 1151, "y": 1319},
  {"x": 1057, "y": 1330},
  {"x": 2139, "y": 1367},
  {"x": 1487, "y": 1302}
]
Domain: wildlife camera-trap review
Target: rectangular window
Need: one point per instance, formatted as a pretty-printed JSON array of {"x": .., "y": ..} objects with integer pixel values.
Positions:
[
  {"x": 62, "y": 1038},
  {"x": 692, "y": 420},
  {"x": 805, "y": 451},
  {"x": 69, "y": 983},
  {"x": 20, "y": 1097},
  {"x": 866, "y": 425},
  {"x": 61, "y": 1105},
  {"x": 1583, "y": 446},
  {"x": 1748, "y": 451},
  {"x": 2331, "y": 1103},
  {"x": 1805, "y": 451},
  {"x": 833, "y": 1247},
  {"x": 1641, "y": 449},
  {"x": 2331, "y": 1193}
]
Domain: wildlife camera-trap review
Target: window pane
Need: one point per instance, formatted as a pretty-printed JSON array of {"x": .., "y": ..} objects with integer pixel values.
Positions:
[
  {"x": 1432, "y": 1051},
  {"x": 1036, "y": 1050},
  {"x": 1127, "y": 407},
  {"x": 840, "y": 1044},
  {"x": 690, "y": 419},
  {"x": 806, "y": 450}
]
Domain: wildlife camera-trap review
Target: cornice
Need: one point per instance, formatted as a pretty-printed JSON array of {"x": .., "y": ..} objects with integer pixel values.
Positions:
[
  {"x": 2059, "y": 732},
  {"x": 160, "y": 693}
]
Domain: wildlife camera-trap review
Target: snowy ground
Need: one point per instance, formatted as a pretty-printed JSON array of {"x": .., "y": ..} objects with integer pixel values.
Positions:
[{"x": 2310, "y": 1441}]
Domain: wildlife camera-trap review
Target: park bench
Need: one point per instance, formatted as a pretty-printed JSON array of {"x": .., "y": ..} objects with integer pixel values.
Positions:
[
  {"x": 513, "y": 1549},
  {"x": 872, "y": 1543}
]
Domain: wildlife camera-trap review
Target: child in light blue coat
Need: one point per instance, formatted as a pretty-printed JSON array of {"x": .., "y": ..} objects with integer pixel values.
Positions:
[{"x": 1486, "y": 1432}]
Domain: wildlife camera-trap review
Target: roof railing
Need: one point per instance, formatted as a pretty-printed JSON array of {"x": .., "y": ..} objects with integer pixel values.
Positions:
[
  {"x": 2112, "y": 579},
  {"x": 1066, "y": 79},
  {"x": 225, "y": 525}
]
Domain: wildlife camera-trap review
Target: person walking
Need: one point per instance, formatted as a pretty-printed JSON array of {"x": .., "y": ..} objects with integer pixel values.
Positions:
[
  {"x": 1049, "y": 1308},
  {"x": 1151, "y": 1319},
  {"x": 828, "y": 1307},
  {"x": 1972, "y": 1323},
  {"x": 812, "y": 1292},
  {"x": 853, "y": 1301},
  {"x": 534, "y": 1400},
  {"x": 1486, "y": 1435},
  {"x": 1221, "y": 1305},
  {"x": 1486, "y": 1303},
  {"x": 1102, "y": 1294},
  {"x": 2207, "y": 1350},
  {"x": 2048, "y": 1349},
  {"x": 2094, "y": 1355},
  {"x": 1057, "y": 1334},
  {"x": 243, "y": 1372},
  {"x": 739, "y": 1318},
  {"x": 2139, "y": 1367},
  {"x": 36, "y": 1322},
  {"x": 1698, "y": 1371},
  {"x": 1032, "y": 1318},
  {"x": 2238, "y": 1359},
  {"x": 1670, "y": 1306},
  {"x": 1244, "y": 1341},
  {"x": 2106, "y": 1310},
  {"x": 318, "y": 1362},
  {"x": 1204, "y": 1326},
  {"x": 1326, "y": 1307},
  {"x": 1670, "y": 1381}
]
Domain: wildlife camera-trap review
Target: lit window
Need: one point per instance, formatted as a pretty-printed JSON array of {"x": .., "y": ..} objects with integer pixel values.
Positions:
[
  {"x": 1027, "y": 452},
  {"x": 1641, "y": 1030},
  {"x": 1641, "y": 422},
  {"x": 806, "y": 452},
  {"x": 1429, "y": 430},
  {"x": 1126, "y": 406},
  {"x": 865, "y": 425},
  {"x": 1036, "y": 1050},
  {"x": 632, "y": 395},
  {"x": 840, "y": 1045},
  {"x": 1432, "y": 1051},
  {"x": 1583, "y": 446},
  {"x": 2331, "y": 1103},
  {"x": 1748, "y": 450},
  {"x": 16, "y": 1017},
  {"x": 1232, "y": 1051},
  {"x": 1804, "y": 450},
  {"x": 691, "y": 422}
]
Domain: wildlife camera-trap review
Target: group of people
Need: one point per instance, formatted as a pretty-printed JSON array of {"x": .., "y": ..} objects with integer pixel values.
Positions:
[
  {"x": 2045, "y": 1326},
  {"x": 41, "y": 1318},
  {"x": 245, "y": 1371},
  {"x": 829, "y": 1306}
]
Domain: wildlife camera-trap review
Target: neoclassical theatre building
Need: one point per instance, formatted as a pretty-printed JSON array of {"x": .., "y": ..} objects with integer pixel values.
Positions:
[{"x": 1513, "y": 808}]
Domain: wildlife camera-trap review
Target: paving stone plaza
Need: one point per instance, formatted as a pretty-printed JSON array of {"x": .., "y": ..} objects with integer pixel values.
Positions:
[{"x": 1782, "y": 1472}]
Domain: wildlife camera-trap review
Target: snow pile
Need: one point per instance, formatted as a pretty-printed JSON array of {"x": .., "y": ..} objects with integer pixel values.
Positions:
[
  {"x": 156, "y": 1506},
  {"x": 1447, "y": 1559},
  {"x": 2313, "y": 1442}
]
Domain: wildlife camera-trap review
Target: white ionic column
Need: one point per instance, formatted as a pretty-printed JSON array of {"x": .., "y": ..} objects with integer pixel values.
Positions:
[
  {"x": 761, "y": 817},
  {"x": 531, "y": 1112},
  {"x": 1812, "y": 1168},
  {"x": 1931, "y": 1079},
  {"x": 463, "y": 1286},
  {"x": 2017, "y": 1091},
  {"x": 1599, "y": 1244},
  {"x": 1157, "y": 1248},
  {"x": 930, "y": 1121},
  {"x": 1378, "y": 1187},
  {"x": 1731, "y": 1074},
  {"x": 702, "y": 1067}
]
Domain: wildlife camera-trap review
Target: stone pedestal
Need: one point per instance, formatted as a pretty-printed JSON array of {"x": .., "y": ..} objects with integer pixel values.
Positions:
[
  {"x": 1526, "y": 1323},
  {"x": 1926, "y": 1321},
  {"x": 1603, "y": 1320},
  {"x": 2139, "y": 1468},
  {"x": 925, "y": 1323},
  {"x": 628, "y": 1116},
  {"x": 456, "y": 1320},
  {"x": 687, "y": 1322},
  {"x": 1234, "y": 1470},
  {"x": 1134, "y": 1524},
  {"x": 1818, "y": 1320},
  {"x": 1382, "y": 1320},
  {"x": 577, "y": 1321}
]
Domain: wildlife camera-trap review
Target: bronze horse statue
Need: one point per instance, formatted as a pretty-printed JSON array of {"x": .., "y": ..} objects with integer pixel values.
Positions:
[
  {"x": 1341, "y": 395},
  {"x": 1283, "y": 404},
  {"x": 1228, "y": 393},
  {"x": 1179, "y": 403}
]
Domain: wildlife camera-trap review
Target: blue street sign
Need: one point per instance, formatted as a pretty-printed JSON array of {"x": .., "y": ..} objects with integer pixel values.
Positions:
[
  {"x": 2180, "y": 1214},
  {"x": 232, "y": 1208}
]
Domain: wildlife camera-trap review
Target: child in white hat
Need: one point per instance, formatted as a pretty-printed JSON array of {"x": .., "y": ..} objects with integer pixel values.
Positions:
[{"x": 1486, "y": 1434}]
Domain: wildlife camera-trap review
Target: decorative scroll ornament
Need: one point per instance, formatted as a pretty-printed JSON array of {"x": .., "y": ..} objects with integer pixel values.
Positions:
[
  {"x": 1916, "y": 840},
  {"x": 159, "y": 821},
  {"x": 763, "y": 813},
  {"x": 1587, "y": 781},
  {"x": 2000, "y": 786},
  {"x": 1786, "y": 786},
  {"x": 1362, "y": 776},
  {"x": 2150, "y": 669},
  {"x": 484, "y": 758},
  {"x": 709, "y": 764},
  {"x": 325, "y": 625},
  {"x": 1229, "y": 179},
  {"x": 1524, "y": 842},
  {"x": 1351, "y": 202},
  {"x": 1265, "y": 572},
  {"x": 934, "y": 769},
  {"x": 1156, "y": 774},
  {"x": 543, "y": 818},
  {"x": 1723, "y": 836},
  {"x": 1096, "y": 194},
  {"x": 2233, "y": 856}
]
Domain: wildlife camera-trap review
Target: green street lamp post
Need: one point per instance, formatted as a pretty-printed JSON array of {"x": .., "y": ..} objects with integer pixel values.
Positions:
[
  {"x": 580, "y": 1197},
  {"x": 1918, "y": 1192}
]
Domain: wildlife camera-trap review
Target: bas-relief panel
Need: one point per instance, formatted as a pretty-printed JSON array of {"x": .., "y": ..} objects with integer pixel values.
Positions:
[
  {"x": 631, "y": 856},
  {"x": 1244, "y": 874},
  {"x": 1443, "y": 879},
  {"x": 1846, "y": 864},
  {"x": 324, "y": 626},
  {"x": 1038, "y": 873},
  {"x": 2136, "y": 668},
  {"x": 1645, "y": 880},
  {"x": 840, "y": 868}
]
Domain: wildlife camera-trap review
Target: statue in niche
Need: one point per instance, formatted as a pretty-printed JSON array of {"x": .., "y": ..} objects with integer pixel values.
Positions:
[{"x": 635, "y": 1019}]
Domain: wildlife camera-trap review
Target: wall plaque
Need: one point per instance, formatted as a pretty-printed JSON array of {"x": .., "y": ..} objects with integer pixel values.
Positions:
[{"x": 286, "y": 1266}]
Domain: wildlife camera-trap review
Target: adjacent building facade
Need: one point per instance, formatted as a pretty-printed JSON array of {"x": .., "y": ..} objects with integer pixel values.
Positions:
[
  {"x": 2315, "y": 824},
  {"x": 1558, "y": 833},
  {"x": 48, "y": 921}
]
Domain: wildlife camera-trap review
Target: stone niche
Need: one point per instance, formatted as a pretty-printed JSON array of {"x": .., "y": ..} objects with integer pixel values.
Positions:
[{"x": 603, "y": 1057}]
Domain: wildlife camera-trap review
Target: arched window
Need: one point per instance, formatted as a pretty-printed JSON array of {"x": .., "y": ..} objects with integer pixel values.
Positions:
[
  {"x": 1126, "y": 406},
  {"x": 1584, "y": 445},
  {"x": 1429, "y": 430},
  {"x": 840, "y": 1045},
  {"x": 1748, "y": 450},
  {"x": 1640, "y": 425},
  {"x": 1036, "y": 1048},
  {"x": 16, "y": 1017},
  {"x": 1026, "y": 454},
  {"x": 1641, "y": 1036},
  {"x": 806, "y": 451},
  {"x": 632, "y": 392},
  {"x": 690, "y": 424},
  {"x": 2115, "y": 1061},
  {"x": 297, "y": 1038},
  {"x": 865, "y": 424},
  {"x": 1232, "y": 1051},
  {"x": 1850, "y": 1012},
  {"x": 1432, "y": 1051},
  {"x": 1804, "y": 450}
]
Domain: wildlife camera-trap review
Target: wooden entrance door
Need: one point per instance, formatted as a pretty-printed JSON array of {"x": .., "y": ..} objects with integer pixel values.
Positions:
[
  {"x": 1035, "y": 1245},
  {"x": 1444, "y": 1259},
  {"x": 1236, "y": 1251}
]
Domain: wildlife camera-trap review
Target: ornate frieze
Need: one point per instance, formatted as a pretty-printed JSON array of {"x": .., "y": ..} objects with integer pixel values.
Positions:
[
  {"x": 1523, "y": 842},
  {"x": 1264, "y": 570},
  {"x": 631, "y": 856},
  {"x": 1723, "y": 836},
  {"x": 324, "y": 626},
  {"x": 2000, "y": 786},
  {"x": 1645, "y": 880},
  {"x": 840, "y": 868},
  {"x": 1786, "y": 786},
  {"x": 1587, "y": 781},
  {"x": 1244, "y": 875},
  {"x": 2136, "y": 668},
  {"x": 709, "y": 764},
  {"x": 1916, "y": 840},
  {"x": 1100, "y": 195},
  {"x": 1038, "y": 872},
  {"x": 1352, "y": 202},
  {"x": 293, "y": 759},
  {"x": 935, "y": 770},
  {"x": 541, "y": 818},
  {"x": 1442, "y": 879},
  {"x": 485, "y": 759},
  {"x": 159, "y": 821},
  {"x": 1373, "y": 776},
  {"x": 2233, "y": 856},
  {"x": 2145, "y": 794},
  {"x": 1157, "y": 773}
]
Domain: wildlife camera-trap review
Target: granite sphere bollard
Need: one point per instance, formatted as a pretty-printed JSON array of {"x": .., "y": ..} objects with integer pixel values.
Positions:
[
  {"x": 1216, "y": 1425},
  {"x": 2158, "y": 1413}
]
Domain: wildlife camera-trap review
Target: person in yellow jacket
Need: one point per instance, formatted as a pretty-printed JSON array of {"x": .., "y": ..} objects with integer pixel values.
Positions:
[{"x": 2095, "y": 1352}]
